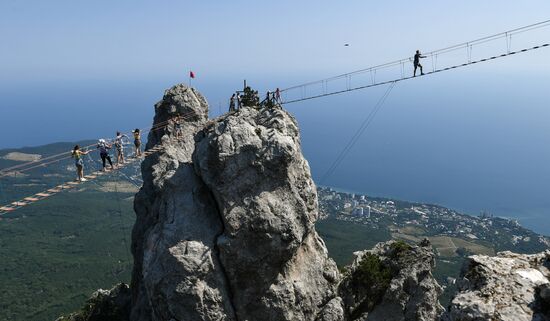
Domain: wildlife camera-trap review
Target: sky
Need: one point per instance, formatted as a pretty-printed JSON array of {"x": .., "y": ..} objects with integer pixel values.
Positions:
[{"x": 474, "y": 138}]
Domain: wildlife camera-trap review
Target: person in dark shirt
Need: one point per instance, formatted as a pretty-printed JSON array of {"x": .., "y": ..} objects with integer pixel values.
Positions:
[
  {"x": 417, "y": 64},
  {"x": 104, "y": 147},
  {"x": 232, "y": 103}
]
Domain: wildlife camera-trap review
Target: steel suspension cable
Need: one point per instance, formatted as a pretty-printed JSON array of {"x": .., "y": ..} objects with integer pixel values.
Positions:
[{"x": 358, "y": 133}]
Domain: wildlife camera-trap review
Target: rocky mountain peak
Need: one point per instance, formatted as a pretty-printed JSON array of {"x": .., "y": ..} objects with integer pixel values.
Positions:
[{"x": 225, "y": 220}]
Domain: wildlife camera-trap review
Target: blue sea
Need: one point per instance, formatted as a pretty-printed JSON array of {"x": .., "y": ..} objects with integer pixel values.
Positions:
[{"x": 470, "y": 144}]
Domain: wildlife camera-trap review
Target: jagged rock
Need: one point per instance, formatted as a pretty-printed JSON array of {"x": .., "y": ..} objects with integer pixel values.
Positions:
[
  {"x": 177, "y": 274},
  {"x": 276, "y": 263},
  {"x": 225, "y": 221},
  {"x": 105, "y": 305},
  {"x": 506, "y": 287},
  {"x": 333, "y": 311},
  {"x": 393, "y": 281}
]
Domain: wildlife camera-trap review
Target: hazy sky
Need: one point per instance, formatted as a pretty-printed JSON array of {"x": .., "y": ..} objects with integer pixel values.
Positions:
[{"x": 72, "y": 41}]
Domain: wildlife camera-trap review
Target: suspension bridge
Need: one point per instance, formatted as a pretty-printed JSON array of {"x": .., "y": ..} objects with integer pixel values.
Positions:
[
  {"x": 497, "y": 46},
  {"x": 482, "y": 50}
]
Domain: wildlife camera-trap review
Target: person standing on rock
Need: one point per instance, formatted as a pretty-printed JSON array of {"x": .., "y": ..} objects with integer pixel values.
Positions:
[
  {"x": 232, "y": 103},
  {"x": 277, "y": 95},
  {"x": 268, "y": 100},
  {"x": 137, "y": 142},
  {"x": 79, "y": 162},
  {"x": 119, "y": 144},
  {"x": 104, "y": 153},
  {"x": 177, "y": 126},
  {"x": 417, "y": 64},
  {"x": 239, "y": 101}
]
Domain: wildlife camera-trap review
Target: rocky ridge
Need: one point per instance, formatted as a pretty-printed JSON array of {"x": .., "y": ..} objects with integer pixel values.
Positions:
[{"x": 506, "y": 287}]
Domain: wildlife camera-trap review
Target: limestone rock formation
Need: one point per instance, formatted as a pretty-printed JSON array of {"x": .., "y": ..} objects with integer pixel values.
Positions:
[
  {"x": 225, "y": 220},
  {"x": 393, "y": 281},
  {"x": 506, "y": 287},
  {"x": 104, "y": 305},
  {"x": 177, "y": 273}
]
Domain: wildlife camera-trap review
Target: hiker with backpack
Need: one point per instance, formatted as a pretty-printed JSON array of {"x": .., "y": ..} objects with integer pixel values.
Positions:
[{"x": 104, "y": 147}]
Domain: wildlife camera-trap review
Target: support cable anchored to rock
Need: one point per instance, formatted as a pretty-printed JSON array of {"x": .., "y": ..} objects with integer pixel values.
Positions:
[{"x": 362, "y": 128}]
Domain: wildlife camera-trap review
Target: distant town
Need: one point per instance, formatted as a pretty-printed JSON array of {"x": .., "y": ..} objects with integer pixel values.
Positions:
[{"x": 450, "y": 232}]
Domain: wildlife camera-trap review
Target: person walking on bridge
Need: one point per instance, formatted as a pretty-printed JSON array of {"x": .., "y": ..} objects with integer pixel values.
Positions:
[
  {"x": 104, "y": 147},
  {"x": 417, "y": 64},
  {"x": 137, "y": 142},
  {"x": 79, "y": 162},
  {"x": 119, "y": 144}
]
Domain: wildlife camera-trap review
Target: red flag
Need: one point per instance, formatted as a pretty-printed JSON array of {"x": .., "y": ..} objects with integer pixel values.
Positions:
[{"x": 191, "y": 74}]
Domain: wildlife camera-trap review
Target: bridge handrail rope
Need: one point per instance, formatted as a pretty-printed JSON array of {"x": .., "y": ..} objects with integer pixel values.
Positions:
[
  {"x": 68, "y": 185},
  {"x": 39, "y": 163},
  {"x": 10, "y": 169},
  {"x": 434, "y": 55}
]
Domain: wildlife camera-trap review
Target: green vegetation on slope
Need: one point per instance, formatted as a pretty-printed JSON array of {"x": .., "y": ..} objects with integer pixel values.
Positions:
[
  {"x": 55, "y": 255},
  {"x": 343, "y": 238}
]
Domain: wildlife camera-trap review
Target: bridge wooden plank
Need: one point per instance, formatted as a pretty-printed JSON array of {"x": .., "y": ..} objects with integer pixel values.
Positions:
[
  {"x": 19, "y": 203},
  {"x": 31, "y": 199},
  {"x": 7, "y": 209},
  {"x": 43, "y": 194}
]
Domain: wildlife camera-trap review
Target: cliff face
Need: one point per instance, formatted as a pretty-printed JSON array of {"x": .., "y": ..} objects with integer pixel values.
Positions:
[
  {"x": 225, "y": 220},
  {"x": 173, "y": 241},
  {"x": 506, "y": 287}
]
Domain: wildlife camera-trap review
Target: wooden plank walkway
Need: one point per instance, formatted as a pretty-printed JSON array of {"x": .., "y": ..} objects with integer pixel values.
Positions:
[{"x": 67, "y": 185}]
